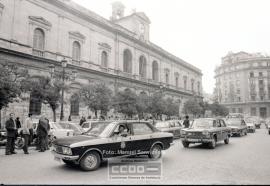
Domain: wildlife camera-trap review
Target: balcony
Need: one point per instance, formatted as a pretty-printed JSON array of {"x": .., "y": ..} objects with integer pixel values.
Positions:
[{"x": 37, "y": 52}]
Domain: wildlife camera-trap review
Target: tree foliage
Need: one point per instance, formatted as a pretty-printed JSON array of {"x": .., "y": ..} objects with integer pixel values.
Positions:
[
  {"x": 97, "y": 97},
  {"x": 218, "y": 110},
  {"x": 192, "y": 106}
]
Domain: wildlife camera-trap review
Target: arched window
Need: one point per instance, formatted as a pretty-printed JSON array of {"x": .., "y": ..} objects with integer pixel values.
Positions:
[
  {"x": 127, "y": 62},
  {"x": 74, "y": 105},
  {"x": 177, "y": 81},
  {"x": 167, "y": 77},
  {"x": 142, "y": 67},
  {"x": 38, "y": 42},
  {"x": 155, "y": 71},
  {"x": 199, "y": 87},
  {"x": 192, "y": 84},
  {"x": 76, "y": 51},
  {"x": 39, "y": 39},
  {"x": 185, "y": 82},
  {"x": 35, "y": 103},
  {"x": 104, "y": 59}
]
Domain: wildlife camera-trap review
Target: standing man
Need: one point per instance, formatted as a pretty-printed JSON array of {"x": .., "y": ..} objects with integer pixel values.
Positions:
[
  {"x": 186, "y": 122},
  {"x": 27, "y": 125},
  {"x": 11, "y": 134},
  {"x": 47, "y": 136},
  {"x": 42, "y": 132}
]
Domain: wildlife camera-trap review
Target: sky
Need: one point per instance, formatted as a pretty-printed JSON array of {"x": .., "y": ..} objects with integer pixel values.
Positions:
[{"x": 201, "y": 32}]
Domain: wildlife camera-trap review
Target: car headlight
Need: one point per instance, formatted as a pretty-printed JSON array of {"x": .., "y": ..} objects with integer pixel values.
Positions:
[{"x": 67, "y": 150}]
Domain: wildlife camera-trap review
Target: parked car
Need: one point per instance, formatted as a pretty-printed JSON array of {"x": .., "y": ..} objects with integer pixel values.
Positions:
[
  {"x": 250, "y": 124},
  {"x": 77, "y": 129},
  {"x": 172, "y": 126},
  {"x": 3, "y": 136},
  {"x": 238, "y": 126},
  {"x": 88, "y": 124},
  {"x": 57, "y": 131},
  {"x": 104, "y": 140},
  {"x": 207, "y": 131}
]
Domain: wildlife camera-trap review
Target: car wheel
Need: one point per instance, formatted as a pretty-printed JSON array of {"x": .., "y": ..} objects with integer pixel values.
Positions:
[
  {"x": 155, "y": 152},
  {"x": 212, "y": 144},
  {"x": 227, "y": 140},
  {"x": 269, "y": 132},
  {"x": 185, "y": 144},
  {"x": 19, "y": 143},
  {"x": 90, "y": 161},
  {"x": 69, "y": 163}
]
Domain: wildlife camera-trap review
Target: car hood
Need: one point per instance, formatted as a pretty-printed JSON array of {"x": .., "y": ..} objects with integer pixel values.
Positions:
[
  {"x": 250, "y": 124},
  {"x": 68, "y": 141},
  {"x": 196, "y": 130}
]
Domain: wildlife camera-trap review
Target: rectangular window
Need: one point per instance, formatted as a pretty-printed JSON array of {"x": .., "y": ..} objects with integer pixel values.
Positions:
[
  {"x": 251, "y": 74},
  {"x": 260, "y": 82},
  {"x": 253, "y": 98},
  {"x": 238, "y": 91},
  {"x": 253, "y": 111},
  {"x": 260, "y": 74},
  {"x": 233, "y": 110},
  {"x": 240, "y": 110}
]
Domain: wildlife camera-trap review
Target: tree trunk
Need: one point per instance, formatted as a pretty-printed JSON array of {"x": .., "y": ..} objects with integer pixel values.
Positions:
[
  {"x": 96, "y": 113},
  {"x": 0, "y": 118},
  {"x": 54, "y": 115}
]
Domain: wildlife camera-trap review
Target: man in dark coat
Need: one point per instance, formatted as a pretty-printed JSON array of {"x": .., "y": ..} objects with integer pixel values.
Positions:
[
  {"x": 11, "y": 135},
  {"x": 82, "y": 120},
  {"x": 42, "y": 132},
  {"x": 186, "y": 122}
]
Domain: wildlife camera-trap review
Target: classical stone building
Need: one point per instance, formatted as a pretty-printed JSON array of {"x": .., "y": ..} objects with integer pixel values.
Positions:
[
  {"x": 243, "y": 83},
  {"x": 39, "y": 34}
]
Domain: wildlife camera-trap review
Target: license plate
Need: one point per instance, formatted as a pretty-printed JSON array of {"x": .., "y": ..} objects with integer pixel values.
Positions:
[{"x": 57, "y": 159}]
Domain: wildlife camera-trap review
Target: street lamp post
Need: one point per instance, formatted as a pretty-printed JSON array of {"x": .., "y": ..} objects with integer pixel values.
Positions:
[{"x": 63, "y": 78}]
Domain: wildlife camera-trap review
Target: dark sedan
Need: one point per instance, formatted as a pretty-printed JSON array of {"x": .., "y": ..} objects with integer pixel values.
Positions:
[
  {"x": 238, "y": 126},
  {"x": 173, "y": 127},
  {"x": 111, "y": 139},
  {"x": 207, "y": 131}
]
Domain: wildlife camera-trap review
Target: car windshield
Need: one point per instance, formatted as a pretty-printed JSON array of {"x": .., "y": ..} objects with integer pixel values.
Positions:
[
  {"x": 98, "y": 129},
  {"x": 74, "y": 127},
  {"x": 202, "y": 123},
  {"x": 56, "y": 125},
  {"x": 162, "y": 125},
  {"x": 233, "y": 122}
]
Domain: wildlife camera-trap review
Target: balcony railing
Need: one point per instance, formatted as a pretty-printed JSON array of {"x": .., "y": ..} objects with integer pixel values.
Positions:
[{"x": 37, "y": 52}]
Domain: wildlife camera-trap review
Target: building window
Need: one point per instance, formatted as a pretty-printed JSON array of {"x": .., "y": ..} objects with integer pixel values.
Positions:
[
  {"x": 199, "y": 87},
  {"x": 238, "y": 91},
  {"x": 251, "y": 74},
  {"x": 185, "y": 82},
  {"x": 38, "y": 42},
  {"x": 253, "y": 111},
  {"x": 192, "y": 85},
  {"x": 260, "y": 74},
  {"x": 104, "y": 59},
  {"x": 76, "y": 51},
  {"x": 35, "y": 103},
  {"x": 177, "y": 81},
  {"x": 167, "y": 77},
  {"x": 127, "y": 61},
  {"x": 253, "y": 98},
  {"x": 240, "y": 110},
  {"x": 239, "y": 99},
  {"x": 142, "y": 67},
  {"x": 74, "y": 105},
  {"x": 233, "y": 110},
  {"x": 155, "y": 71},
  {"x": 261, "y": 82}
]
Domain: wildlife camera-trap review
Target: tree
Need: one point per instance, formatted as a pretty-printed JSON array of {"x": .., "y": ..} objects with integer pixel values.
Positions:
[
  {"x": 142, "y": 104},
  {"x": 125, "y": 102},
  {"x": 192, "y": 106},
  {"x": 218, "y": 110},
  {"x": 172, "y": 108},
  {"x": 97, "y": 97},
  {"x": 157, "y": 105},
  {"x": 48, "y": 91},
  {"x": 11, "y": 77}
]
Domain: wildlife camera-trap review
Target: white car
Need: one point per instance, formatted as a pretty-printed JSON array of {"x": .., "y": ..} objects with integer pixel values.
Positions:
[
  {"x": 57, "y": 131},
  {"x": 77, "y": 129},
  {"x": 88, "y": 124}
]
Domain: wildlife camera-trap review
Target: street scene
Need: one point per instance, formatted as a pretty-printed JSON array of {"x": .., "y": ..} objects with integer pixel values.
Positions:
[
  {"x": 134, "y": 92},
  {"x": 236, "y": 163}
]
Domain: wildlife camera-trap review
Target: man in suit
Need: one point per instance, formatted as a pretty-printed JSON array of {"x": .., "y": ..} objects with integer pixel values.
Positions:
[{"x": 11, "y": 134}]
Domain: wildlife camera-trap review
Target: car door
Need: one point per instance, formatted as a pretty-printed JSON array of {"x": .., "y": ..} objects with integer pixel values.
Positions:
[
  {"x": 225, "y": 132},
  {"x": 142, "y": 136},
  {"x": 218, "y": 129}
]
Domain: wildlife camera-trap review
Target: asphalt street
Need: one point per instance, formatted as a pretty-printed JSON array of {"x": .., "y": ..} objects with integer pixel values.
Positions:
[{"x": 245, "y": 160}]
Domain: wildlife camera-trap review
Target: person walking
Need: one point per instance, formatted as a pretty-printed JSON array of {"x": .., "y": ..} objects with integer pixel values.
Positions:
[
  {"x": 11, "y": 134},
  {"x": 186, "y": 122},
  {"x": 82, "y": 120},
  {"x": 18, "y": 123},
  {"x": 42, "y": 132},
  {"x": 27, "y": 125}
]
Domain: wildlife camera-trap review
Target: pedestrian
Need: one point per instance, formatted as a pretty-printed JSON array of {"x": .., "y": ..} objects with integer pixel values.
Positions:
[
  {"x": 47, "y": 136},
  {"x": 186, "y": 122},
  {"x": 69, "y": 118},
  {"x": 82, "y": 120},
  {"x": 11, "y": 134},
  {"x": 27, "y": 125},
  {"x": 18, "y": 123},
  {"x": 42, "y": 132}
]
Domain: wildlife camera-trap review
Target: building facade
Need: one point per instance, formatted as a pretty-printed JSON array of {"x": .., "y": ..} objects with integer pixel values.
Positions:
[
  {"x": 37, "y": 34},
  {"x": 243, "y": 83}
]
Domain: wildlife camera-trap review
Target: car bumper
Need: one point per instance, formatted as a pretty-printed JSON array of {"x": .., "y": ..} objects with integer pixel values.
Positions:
[
  {"x": 64, "y": 157},
  {"x": 196, "y": 140}
]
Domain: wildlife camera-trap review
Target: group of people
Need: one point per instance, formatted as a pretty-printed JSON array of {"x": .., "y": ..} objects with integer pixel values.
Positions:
[{"x": 27, "y": 133}]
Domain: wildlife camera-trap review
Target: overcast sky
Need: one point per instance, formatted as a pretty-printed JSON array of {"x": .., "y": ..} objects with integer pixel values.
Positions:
[{"x": 201, "y": 31}]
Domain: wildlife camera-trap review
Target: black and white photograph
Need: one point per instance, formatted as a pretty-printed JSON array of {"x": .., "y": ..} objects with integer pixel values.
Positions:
[{"x": 134, "y": 92}]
